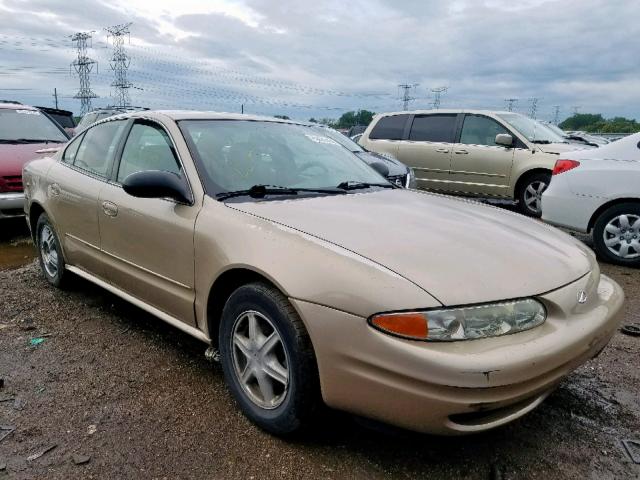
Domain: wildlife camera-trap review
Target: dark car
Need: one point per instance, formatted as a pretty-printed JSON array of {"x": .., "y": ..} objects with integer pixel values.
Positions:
[
  {"x": 63, "y": 117},
  {"x": 399, "y": 173},
  {"x": 25, "y": 132}
]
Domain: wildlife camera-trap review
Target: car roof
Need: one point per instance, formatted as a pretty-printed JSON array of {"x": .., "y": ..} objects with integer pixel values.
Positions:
[
  {"x": 178, "y": 115},
  {"x": 450, "y": 110}
]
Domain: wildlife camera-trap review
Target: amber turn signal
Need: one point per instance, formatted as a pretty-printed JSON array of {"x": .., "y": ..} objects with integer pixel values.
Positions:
[{"x": 410, "y": 325}]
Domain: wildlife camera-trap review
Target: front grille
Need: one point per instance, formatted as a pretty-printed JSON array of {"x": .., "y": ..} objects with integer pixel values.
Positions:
[
  {"x": 11, "y": 183},
  {"x": 400, "y": 180}
]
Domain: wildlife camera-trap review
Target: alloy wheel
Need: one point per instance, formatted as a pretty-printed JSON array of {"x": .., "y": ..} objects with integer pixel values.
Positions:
[
  {"x": 49, "y": 250},
  {"x": 622, "y": 236},
  {"x": 533, "y": 195},
  {"x": 260, "y": 361}
]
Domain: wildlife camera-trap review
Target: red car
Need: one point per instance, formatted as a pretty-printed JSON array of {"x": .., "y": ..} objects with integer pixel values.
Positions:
[{"x": 24, "y": 132}]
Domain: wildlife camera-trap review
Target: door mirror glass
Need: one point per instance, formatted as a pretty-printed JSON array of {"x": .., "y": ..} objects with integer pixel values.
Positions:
[
  {"x": 156, "y": 184},
  {"x": 504, "y": 139}
]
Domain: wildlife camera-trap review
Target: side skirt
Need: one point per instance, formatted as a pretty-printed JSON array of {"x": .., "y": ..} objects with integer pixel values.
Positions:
[{"x": 194, "y": 332}]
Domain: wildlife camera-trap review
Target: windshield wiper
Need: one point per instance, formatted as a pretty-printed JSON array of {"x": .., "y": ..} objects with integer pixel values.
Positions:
[
  {"x": 261, "y": 191},
  {"x": 30, "y": 140},
  {"x": 352, "y": 185},
  {"x": 542, "y": 142}
]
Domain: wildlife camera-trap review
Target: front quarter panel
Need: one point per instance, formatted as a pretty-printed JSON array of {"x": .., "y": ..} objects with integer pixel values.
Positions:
[{"x": 302, "y": 266}]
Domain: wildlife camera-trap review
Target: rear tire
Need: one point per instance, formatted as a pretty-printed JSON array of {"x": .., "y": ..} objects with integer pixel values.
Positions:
[
  {"x": 50, "y": 253},
  {"x": 268, "y": 360},
  {"x": 616, "y": 235},
  {"x": 530, "y": 193}
]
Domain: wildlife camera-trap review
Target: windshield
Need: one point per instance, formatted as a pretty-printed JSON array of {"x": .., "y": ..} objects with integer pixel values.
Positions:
[
  {"x": 340, "y": 138},
  {"x": 235, "y": 155},
  {"x": 28, "y": 125},
  {"x": 533, "y": 130},
  {"x": 556, "y": 129}
]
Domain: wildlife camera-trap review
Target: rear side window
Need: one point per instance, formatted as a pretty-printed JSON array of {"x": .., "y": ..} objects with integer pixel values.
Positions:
[
  {"x": 389, "y": 128},
  {"x": 433, "y": 128},
  {"x": 98, "y": 147}
]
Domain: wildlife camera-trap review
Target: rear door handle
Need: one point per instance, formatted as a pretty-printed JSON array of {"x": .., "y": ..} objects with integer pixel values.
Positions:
[
  {"x": 442, "y": 150},
  {"x": 461, "y": 152},
  {"x": 110, "y": 209}
]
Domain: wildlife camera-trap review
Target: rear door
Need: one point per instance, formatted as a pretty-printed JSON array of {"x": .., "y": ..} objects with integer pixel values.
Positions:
[
  {"x": 478, "y": 165},
  {"x": 75, "y": 184},
  {"x": 428, "y": 149},
  {"x": 148, "y": 242}
]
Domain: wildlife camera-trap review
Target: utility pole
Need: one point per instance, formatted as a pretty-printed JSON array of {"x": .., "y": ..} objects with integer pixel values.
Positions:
[
  {"x": 510, "y": 103},
  {"x": 533, "y": 109},
  {"x": 437, "y": 94},
  {"x": 55, "y": 95},
  {"x": 119, "y": 63},
  {"x": 242, "y": 108},
  {"x": 406, "y": 98},
  {"x": 556, "y": 114},
  {"x": 83, "y": 66}
]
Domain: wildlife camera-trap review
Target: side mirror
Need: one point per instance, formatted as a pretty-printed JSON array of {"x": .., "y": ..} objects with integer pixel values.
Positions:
[
  {"x": 504, "y": 139},
  {"x": 157, "y": 184},
  {"x": 381, "y": 168}
]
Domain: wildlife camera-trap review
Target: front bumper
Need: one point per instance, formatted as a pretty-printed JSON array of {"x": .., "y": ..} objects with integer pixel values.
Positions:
[
  {"x": 459, "y": 387},
  {"x": 11, "y": 204}
]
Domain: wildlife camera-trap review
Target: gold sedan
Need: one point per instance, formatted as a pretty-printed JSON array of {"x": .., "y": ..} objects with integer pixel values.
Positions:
[{"x": 315, "y": 278}]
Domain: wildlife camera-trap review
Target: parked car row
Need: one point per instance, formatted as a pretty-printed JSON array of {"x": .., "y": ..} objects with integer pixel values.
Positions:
[{"x": 318, "y": 280}]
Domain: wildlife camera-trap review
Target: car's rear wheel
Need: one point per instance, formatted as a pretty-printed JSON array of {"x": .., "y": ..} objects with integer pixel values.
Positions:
[
  {"x": 530, "y": 193},
  {"x": 50, "y": 252},
  {"x": 616, "y": 234},
  {"x": 267, "y": 358}
]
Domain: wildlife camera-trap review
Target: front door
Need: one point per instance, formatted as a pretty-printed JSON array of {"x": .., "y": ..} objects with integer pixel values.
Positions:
[
  {"x": 148, "y": 242},
  {"x": 428, "y": 149},
  {"x": 478, "y": 165}
]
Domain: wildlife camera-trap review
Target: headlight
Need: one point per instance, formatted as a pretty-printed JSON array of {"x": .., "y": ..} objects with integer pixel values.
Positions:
[
  {"x": 464, "y": 323},
  {"x": 411, "y": 179}
]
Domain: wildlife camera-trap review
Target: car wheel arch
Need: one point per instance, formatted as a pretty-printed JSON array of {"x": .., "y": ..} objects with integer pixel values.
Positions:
[
  {"x": 35, "y": 210},
  {"x": 606, "y": 206},
  {"x": 525, "y": 175},
  {"x": 223, "y": 286}
]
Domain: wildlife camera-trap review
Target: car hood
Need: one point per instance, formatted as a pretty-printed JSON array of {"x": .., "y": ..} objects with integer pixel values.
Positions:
[
  {"x": 14, "y": 157},
  {"x": 561, "y": 147},
  {"x": 395, "y": 167},
  {"x": 460, "y": 252}
]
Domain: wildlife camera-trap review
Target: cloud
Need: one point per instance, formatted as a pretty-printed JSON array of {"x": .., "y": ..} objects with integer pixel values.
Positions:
[{"x": 323, "y": 57}]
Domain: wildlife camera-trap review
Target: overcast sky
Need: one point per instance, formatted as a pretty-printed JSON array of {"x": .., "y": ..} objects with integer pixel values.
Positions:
[{"x": 323, "y": 57}]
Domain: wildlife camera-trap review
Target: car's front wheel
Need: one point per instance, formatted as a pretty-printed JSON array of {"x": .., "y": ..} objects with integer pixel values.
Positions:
[
  {"x": 616, "y": 234},
  {"x": 50, "y": 252},
  {"x": 267, "y": 358},
  {"x": 530, "y": 193}
]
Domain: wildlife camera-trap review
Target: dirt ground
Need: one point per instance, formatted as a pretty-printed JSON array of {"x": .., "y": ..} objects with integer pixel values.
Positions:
[{"x": 135, "y": 398}]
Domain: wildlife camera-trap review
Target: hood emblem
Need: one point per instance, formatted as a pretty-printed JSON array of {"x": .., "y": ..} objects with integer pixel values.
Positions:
[{"x": 582, "y": 296}]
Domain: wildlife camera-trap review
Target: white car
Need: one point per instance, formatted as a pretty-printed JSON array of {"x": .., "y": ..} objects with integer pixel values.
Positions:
[{"x": 598, "y": 191}]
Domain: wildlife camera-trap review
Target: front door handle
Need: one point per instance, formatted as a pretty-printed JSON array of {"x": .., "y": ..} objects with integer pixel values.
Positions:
[
  {"x": 442, "y": 150},
  {"x": 110, "y": 209},
  {"x": 461, "y": 152}
]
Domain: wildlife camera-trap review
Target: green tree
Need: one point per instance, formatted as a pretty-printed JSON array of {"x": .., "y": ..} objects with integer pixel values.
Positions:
[
  {"x": 595, "y": 123},
  {"x": 352, "y": 118},
  {"x": 283, "y": 117}
]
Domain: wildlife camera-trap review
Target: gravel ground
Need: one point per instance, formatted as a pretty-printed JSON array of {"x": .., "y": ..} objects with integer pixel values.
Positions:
[{"x": 135, "y": 398}]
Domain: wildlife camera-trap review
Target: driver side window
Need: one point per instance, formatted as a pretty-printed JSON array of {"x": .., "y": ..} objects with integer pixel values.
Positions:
[
  {"x": 478, "y": 130},
  {"x": 148, "y": 147}
]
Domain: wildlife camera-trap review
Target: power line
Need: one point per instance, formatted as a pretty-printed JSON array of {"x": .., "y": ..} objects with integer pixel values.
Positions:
[
  {"x": 119, "y": 63},
  {"x": 437, "y": 94},
  {"x": 406, "y": 97},
  {"x": 510, "y": 103},
  {"x": 83, "y": 66}
]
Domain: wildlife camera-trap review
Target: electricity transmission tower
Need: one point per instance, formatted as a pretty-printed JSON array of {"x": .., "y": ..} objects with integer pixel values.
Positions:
[
  {"x": 119, "y": 63},
  {"x": 510, "y": 103},
  {"x": 556, "y": 114},
  {"x": 83, "y": 66},
  {"x": 533, "y": 108},
  {"x": 437, "y": 94},
  {"x": 406, "y": 97},
  {"x": 575, "y": 109}
]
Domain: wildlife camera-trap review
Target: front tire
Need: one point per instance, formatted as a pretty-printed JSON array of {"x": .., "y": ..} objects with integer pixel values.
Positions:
[
  {"x": 530, "y": 193},
  {"x": 616, "y": 235},
  {"x": 268, "y": 360},
  {"x": 50, "y": 253}
]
